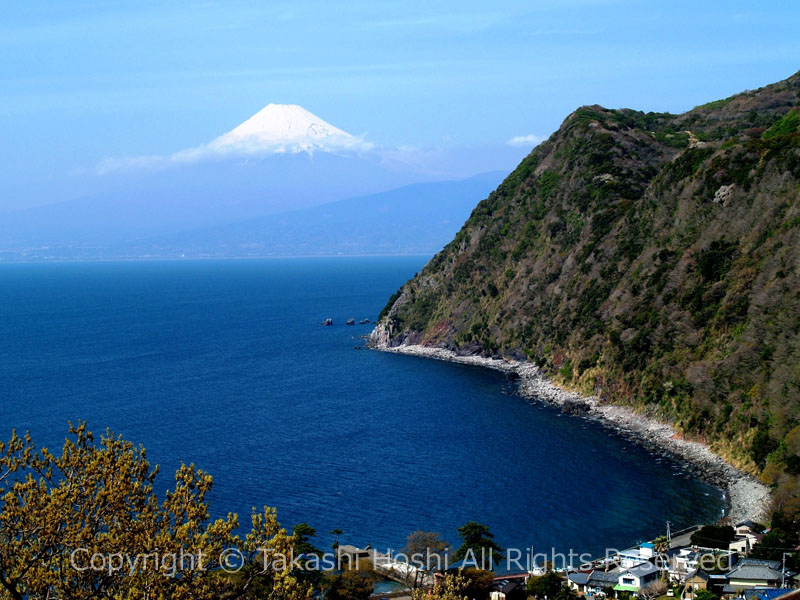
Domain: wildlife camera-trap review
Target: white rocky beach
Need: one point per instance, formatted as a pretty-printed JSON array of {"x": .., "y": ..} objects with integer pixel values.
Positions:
[{"x": 746, "y": 497}]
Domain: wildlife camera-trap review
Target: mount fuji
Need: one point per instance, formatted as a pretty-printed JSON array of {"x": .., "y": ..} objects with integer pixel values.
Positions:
[{"x": 288, "y": 128}]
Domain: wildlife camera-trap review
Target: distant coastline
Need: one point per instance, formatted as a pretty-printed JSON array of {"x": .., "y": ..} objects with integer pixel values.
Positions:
[
  {"x": 745, "y": 497},
  {"x": 233, "y": 257}
]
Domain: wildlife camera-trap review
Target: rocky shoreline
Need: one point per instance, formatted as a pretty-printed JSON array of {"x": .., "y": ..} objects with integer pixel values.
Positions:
[{"x": 746, "y": 498}]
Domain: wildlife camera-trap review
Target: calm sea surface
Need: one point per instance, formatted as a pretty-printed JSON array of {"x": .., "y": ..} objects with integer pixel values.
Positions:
[{"x": 225, "y": 364}]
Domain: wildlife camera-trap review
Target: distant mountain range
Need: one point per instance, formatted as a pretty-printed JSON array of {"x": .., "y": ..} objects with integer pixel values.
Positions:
[
  {"x": 414, "y": 219},
  {"x": 222, "y": 198}
]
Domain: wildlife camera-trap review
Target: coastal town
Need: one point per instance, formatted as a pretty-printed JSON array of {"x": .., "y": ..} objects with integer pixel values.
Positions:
[
  {"x": 683, "y": 566},
  {"x": 686, "y": 564}
]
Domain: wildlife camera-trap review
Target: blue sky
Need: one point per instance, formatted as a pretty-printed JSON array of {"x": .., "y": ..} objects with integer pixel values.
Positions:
[{"x": 83, "y": 81}]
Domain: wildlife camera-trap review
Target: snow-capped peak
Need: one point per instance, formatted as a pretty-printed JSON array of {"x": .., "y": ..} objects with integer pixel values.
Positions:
[
  {"x": 275, "y": 129},
  {"x": 283, "y": 128}
]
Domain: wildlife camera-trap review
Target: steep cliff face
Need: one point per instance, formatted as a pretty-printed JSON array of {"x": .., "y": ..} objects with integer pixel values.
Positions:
[{"x": 652, "y": 259}]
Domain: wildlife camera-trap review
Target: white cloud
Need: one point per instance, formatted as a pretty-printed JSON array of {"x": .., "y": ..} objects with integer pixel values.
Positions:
[
  {"x": 520, "y": 141},
  {"x": 275, "y": 129},
  {"x": 241, "y": 149},
  {"x": 109, "y": 165}
]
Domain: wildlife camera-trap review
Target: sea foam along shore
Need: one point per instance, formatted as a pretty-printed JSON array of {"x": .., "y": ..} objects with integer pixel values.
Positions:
[{"x": 746, "y": 497}]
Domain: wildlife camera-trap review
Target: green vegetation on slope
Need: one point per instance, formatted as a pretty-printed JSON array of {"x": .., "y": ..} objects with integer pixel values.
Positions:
[{"x": 651, "y": 259}]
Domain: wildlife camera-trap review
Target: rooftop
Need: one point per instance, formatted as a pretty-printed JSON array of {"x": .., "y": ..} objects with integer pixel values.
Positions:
[
  {"x": 756, "y": 572},
  {"x": 579, "y": 578},
  {"x": 643, "y": 569},
  {"x": 602, "y": 578}
]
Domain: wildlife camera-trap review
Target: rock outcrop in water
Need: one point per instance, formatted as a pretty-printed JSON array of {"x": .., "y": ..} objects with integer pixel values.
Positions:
[{"x": 648, "y": 259}]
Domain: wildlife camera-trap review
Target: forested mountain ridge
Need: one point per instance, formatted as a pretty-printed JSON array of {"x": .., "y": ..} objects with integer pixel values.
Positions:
[{"x": 648, "y": 258}]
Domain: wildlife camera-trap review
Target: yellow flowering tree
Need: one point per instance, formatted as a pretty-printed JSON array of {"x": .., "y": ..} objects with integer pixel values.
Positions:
[
  {"x": 449, "y": 587},
  {"x": 87, "y": 523}
]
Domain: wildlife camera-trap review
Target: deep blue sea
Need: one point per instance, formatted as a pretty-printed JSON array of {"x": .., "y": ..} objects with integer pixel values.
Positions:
[{"x": 225, "y": 364}]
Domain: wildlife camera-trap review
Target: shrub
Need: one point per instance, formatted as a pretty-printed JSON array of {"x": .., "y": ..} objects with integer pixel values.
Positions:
[
  {"x": 566, "y": 370},
  {"x": 789, "y": 123},
  {"x": 392, "y": 299},
  {"x": 714, "y": 536},
  {"x": 713, "y": 262},
  {"x": 763, "y": 445}
]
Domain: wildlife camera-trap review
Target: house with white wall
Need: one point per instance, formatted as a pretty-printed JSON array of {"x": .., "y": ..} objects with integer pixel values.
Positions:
[{"x": 637, "y": 577}]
